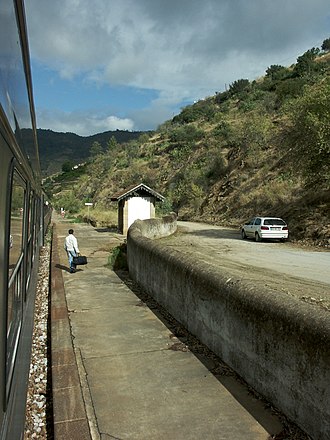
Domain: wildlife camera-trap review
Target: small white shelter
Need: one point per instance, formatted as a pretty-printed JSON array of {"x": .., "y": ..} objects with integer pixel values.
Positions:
[{"x": 135, "y": 203}]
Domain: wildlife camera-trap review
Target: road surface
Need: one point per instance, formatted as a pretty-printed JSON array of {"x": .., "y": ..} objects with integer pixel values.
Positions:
[{"x": 298, "y": 272}]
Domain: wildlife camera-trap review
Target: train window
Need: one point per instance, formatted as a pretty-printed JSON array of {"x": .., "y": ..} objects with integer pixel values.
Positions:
[
  {"x": 29, "y": 247},
  {"x": 29, "y": 228},
  {"x": 36, "y": 224},
  {"x": 16, "y": 221},
  {"x": 16, "y": 285}
]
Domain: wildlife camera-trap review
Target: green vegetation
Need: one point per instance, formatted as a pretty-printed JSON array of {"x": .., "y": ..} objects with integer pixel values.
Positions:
[
  {"x": 96, "y": 149},
  {"x": 308, "y": 135},
  {"x": 326, "y": 45},
  {"x": 73, "y": 148},
  {"x": 259, "y": 148},
  {"x": 117, "y": 260}
]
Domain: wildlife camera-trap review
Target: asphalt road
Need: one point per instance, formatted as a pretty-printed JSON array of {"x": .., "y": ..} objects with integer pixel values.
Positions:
[{"x": 286, "y": 267}]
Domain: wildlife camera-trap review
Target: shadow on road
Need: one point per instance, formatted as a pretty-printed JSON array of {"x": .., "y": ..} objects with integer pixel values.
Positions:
[
  {"x": 114, "y": 230},
  {"x": 221, "y": 234},
  {"x": 214, "y": 233}
]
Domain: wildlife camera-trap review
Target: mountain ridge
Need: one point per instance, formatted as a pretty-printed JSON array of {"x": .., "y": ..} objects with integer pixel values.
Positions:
[{"x": 73, "y": 147}]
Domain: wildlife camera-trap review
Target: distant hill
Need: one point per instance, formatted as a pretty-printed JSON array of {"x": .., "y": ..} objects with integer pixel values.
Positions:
[{"x": 56, "y": 148}]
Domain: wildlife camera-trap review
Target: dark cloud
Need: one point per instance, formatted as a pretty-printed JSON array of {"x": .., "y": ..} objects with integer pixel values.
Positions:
[
  {"x": 164, "y": 36},
  {"x": 182, "y": 48}
]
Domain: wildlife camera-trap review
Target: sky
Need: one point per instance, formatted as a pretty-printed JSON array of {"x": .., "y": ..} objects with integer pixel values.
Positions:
[{"x": 100, "y": 65}]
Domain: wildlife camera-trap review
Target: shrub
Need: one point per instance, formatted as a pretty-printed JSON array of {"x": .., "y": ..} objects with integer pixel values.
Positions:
[
  {"x": 201, "y": 110},
  {"x": 217, "y": 167},
  {"x": 68, "y": 201},
  {"x": 239, "y": 86},
  {"x": 164, "y": 208},
  {"x": 67, "y": 166},
  {"x": 291, "y": 88},
  {"x": 276, "y": 72},
  {"x": 247, "y": 105},
  {"x": 220, "y": 98},
  {"x": 186, "y": 134},
  {"x": 223, "y": 129},
  {"x": 326, "y": 45},
  {"x": 308, "y": 136},
  {"x": 117, "y": 260}
]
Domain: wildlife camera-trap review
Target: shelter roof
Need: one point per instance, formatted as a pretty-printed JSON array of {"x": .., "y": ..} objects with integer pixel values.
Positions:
[{"x": 137, "y": 191}]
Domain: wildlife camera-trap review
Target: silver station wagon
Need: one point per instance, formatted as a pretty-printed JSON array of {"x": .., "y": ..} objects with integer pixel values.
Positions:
[{"x": 261, "y": 228}]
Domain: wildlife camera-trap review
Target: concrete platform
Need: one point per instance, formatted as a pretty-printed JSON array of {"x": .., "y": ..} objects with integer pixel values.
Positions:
[{"x": 114, "y": 373}]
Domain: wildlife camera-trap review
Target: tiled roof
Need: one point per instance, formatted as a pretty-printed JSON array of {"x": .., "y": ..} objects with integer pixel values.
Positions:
[{"x": 128, "y": 192}]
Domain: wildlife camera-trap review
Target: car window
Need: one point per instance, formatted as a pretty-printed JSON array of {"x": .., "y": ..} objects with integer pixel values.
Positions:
[
  {"x": 258, "y": 221},
  {"x": 274, "y": 221}
]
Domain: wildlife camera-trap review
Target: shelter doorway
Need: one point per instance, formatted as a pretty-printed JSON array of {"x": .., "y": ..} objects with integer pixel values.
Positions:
[{"x": 138, "y": 208}]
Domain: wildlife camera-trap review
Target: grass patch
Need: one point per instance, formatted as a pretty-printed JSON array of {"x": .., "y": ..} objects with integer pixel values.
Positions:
[
  {"x": 117, "y": 260},
  {"x": 100, "y": 217},
  {"x": 74, "y": 219}
]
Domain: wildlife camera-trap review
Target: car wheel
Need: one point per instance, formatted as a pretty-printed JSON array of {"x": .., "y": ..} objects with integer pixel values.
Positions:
[
  {"x": 243, "y": 235},
  {"x": 258, "y": 238}
]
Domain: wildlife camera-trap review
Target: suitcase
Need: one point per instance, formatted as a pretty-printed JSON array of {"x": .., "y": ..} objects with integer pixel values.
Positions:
[{"x": 80, "y": 260}]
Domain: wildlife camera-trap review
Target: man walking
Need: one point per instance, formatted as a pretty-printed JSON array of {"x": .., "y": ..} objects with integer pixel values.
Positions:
[{"x": 71, "y": 247}]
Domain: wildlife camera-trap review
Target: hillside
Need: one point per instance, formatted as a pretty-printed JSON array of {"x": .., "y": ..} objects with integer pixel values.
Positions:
[
  {"x": 259, "y": 148},
  {"x": 72, "y": 147}
]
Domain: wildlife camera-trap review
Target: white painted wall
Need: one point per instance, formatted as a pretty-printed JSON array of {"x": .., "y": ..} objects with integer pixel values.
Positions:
[{"x": 138, "y": 209}]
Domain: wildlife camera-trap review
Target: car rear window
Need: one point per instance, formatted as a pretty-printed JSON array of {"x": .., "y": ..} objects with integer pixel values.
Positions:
[{"x": 274, "y": 221}]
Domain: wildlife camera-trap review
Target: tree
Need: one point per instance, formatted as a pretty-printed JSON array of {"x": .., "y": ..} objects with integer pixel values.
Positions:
[
  {"x": 143, "y": 138},
  {"x": 112, "y": 144},
  {"x": 96, "y": 149},
  {"x": 309, "y": 134},
  {"x": 238, "y": 86},
  {"x": 326, "y": 45},
  {"x": 68, "y": 201},
  {"x": 221, "y": 97},
  {"x": 306, "y": 63},
  {"x": 276, "y": 72},
  {"x": 67, "y": 166}
]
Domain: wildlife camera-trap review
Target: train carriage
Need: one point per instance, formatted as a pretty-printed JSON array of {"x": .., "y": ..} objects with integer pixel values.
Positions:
[{"x": 21, "y": 217}]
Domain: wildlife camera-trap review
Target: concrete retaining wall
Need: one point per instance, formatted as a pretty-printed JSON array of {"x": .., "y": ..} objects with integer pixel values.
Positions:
[
  {"x": 155, "y": 227},
  {"x": 279, "y": 345}
]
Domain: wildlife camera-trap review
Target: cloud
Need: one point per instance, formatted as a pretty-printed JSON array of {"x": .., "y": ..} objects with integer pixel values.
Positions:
[
  {"x": 184, "y": 49},
  {"x": 83, "y": 124},
  {"x": 112, "y": 123},
  {"x": 154, "y": 44}
]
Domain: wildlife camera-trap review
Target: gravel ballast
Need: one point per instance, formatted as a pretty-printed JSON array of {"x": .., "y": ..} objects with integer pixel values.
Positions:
[{"x": 38, "y": 423}]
